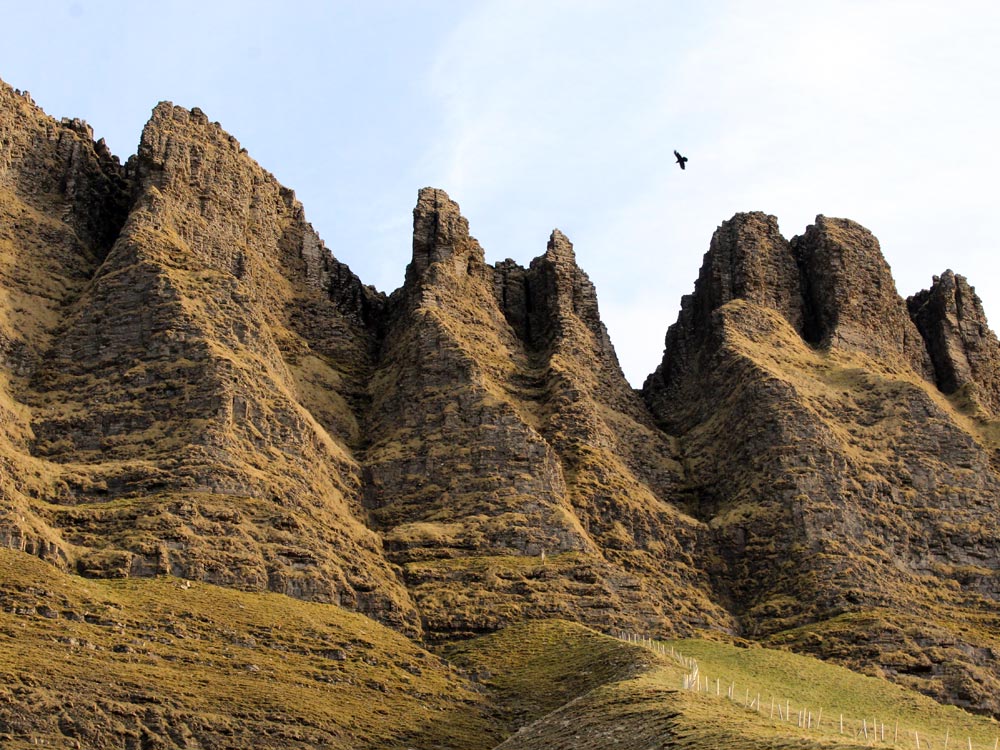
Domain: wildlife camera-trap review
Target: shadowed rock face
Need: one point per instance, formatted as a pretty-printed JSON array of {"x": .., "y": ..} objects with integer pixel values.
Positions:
[
  {"x": 963, "y": 349},
  {"x": 850, "y": 295},
  {"x": 190, "y": 383},
  {"x": 748, "y": 259},
  {"x": 63, "y": 199}
]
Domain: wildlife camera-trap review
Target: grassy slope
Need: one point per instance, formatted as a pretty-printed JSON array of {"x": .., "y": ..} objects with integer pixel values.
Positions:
[
  {"x": 149, "y": 660},
  {"x": 154, "y": 663},
  {"x": 565, "y": 687},
  {"x": 810, "y": 684}
]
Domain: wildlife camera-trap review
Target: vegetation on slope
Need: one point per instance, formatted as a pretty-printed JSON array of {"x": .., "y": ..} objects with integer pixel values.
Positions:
[
  {"x": 563, "y": 687},
  {"x": 162, "y": 663}
]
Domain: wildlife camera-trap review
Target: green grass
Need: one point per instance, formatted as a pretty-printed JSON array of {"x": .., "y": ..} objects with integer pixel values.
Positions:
[
  {"x": 535, "y": 667},
  {"x": 801, "y": 682}
]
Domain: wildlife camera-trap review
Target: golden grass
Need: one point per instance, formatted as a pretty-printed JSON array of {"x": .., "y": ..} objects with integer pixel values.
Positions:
[{"x": 244, "y": 669}]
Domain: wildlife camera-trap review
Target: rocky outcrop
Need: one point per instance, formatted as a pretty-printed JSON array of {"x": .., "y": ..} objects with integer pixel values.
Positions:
[
  {"x": 835, "y": 478},
  {"x": 748, "y": 259},
  {"x": 191, "y": 384},
  {"x": 63, "y": 199},
  {"x": 964, "y": 351},
  {"x": 512, "y": 470},
  {"x": 851, "y": 297},
  {"x": 203, "y": 386}
]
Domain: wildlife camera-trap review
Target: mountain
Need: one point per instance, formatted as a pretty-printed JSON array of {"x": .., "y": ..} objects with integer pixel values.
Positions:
[
  {"x": 853, "y": 500},
  {"x": 194, "y": 389}
]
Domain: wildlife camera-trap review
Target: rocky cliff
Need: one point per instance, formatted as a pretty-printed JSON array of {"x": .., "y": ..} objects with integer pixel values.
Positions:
[
  {"x": 836, "y": 478},
  {"x": 191, "y": 384},
  {"x": 190, "y": 406}
]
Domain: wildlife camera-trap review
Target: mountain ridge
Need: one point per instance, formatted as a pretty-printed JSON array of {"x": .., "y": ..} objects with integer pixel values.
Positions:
[{"x": 192, "y": 384}]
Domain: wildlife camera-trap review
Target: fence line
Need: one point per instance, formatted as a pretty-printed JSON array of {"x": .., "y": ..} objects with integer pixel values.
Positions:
[{"x": 695, "y": 681}]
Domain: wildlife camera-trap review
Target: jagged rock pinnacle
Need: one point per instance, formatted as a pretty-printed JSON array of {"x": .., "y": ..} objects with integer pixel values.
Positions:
[
  {"x": 963, "y": 349},
  {"x": 440, "y": 233}
]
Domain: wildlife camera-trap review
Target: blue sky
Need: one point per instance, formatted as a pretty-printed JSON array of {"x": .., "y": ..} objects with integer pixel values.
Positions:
[{"x": 545, "y": 114}]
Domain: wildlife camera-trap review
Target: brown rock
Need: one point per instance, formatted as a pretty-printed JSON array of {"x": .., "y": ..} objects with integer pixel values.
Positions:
[
  {"x": 963, "y": 349},
  {"x": 834, "y": 477},
  {"x": 502, "y": 428},
  {"x": 206, "y": 380},
  {"x": 851, "y": 297}
]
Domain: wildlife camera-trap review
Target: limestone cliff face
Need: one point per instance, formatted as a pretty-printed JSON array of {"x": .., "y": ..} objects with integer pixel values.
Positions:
[{"x": 835, "y": 477}]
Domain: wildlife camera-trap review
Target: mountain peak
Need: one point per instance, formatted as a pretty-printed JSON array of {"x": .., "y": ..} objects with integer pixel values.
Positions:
[
  {"x": 191, "y": 385},
  {"x": 440, "y": 234},
  {"x": 964, "y": 351}
]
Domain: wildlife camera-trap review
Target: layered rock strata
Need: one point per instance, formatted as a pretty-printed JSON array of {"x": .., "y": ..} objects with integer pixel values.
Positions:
[
  {"x": 835, "y": 477},
  {"x": 191, "y": 384},
  {"x": 964, "y": 351},
  {"x": 512, "y": 470},
  {"x": 194, "y": 410}
]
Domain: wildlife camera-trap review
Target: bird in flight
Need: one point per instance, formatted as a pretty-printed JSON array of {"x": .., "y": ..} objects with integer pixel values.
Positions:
[{"x": 682, "y": 160}]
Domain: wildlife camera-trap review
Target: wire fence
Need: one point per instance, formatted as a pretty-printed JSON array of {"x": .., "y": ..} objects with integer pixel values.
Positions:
[{"x": 873, "y": 729}]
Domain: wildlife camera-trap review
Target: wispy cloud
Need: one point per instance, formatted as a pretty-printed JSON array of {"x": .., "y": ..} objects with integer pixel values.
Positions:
[{"x": 562, "y": 113}]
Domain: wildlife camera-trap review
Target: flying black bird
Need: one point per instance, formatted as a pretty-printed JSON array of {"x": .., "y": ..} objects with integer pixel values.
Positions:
[{"x": 682, "y": 160}]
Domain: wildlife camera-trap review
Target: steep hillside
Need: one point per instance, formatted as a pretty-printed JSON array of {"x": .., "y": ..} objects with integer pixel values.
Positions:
[
  {"x": 164, "y": 663},
  {"x": 193, "y": 402},
  {"x": 835, "y": 476},
  {"x": 512, "y": 470},
  {"x": 63, "y": 199},
  {"x": 193, "y": 387}
]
